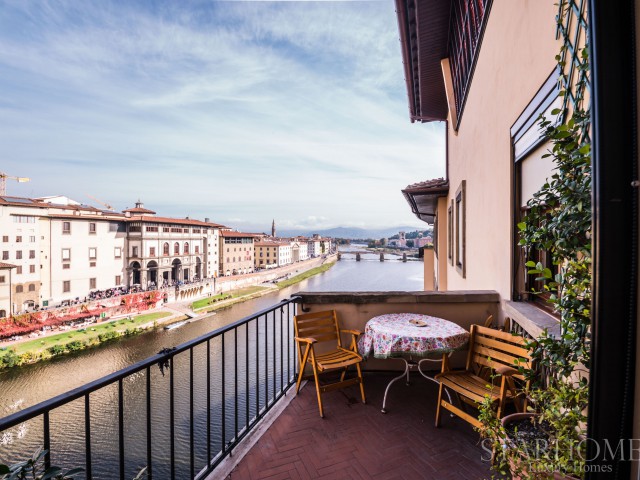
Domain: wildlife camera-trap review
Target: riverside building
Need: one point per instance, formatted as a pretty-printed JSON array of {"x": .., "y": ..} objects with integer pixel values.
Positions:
[
  {"x": 60, "y": 250},
  {"x": 236, "y": 252}
]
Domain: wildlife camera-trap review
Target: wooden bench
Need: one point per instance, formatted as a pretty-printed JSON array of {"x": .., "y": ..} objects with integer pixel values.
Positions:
[{"x": 501, "y": 352}]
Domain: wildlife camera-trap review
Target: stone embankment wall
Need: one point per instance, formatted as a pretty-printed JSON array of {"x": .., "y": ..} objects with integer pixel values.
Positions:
[
  {"x": 208, "y": 287},
  {"x": 226, "y": 284}
]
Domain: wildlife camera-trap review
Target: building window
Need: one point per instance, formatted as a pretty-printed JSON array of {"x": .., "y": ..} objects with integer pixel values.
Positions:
[
  {"x": 19, "y": 255},
  {"x": 66, "y": 266},
  {"x": 176, "y": 248},
  {"x": 2, "y": 279},
  {"x": 113, "y": 227},
  {"x": 118, "y": 279},
  {"x": 66, "y": 227},
  {"x": 5, "y": 255},
  {"x": 166, "y": 229},
  {"x": 152, "y": 251},
  {"x": 66, "y": 286},
  {"x": 450, "y": 233},
  {"x": 5, "y": 238},
  {"x": 19, "y": 270},
  {"x": 165, "y": 249},
  {"x": 227, "y": 259},
  {"x": 135, "y": 229},
  {"x": 134, "y": 251},
  {"x": 93, "y": 253},
  {"x": 151, "y": 229},
  {"x": 66, "y": 254},
  {"x": 117, "y": 252},
  {"x": 197, "y": 249},
  {"x": 24, "y": 219},
  {"x": 19, "y": 289},
  {"x": 32, "y": 254},
  {"x": 32, "y": 239},
  {"x": 19, "y": 239},
  {"x": 92, "y": 228},
  {"x": 32, "y": 269},
  {"x": 460, "y": 246},
  {"x": 32, "y": 287},
  {"x": 92, "y": 284},
  {"x": 186, "y": 248}
]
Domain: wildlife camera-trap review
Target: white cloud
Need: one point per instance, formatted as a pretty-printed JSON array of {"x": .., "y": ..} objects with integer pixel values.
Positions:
[{"x": 223, "y": 109}]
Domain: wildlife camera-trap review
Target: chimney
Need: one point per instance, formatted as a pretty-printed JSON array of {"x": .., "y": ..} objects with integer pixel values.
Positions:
[{"x": 206, "y": 219}]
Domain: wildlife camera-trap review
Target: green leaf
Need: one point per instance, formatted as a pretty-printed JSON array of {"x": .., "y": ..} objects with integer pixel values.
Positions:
[
  {"x": 556, "y": 111},
  {"x": 547, "y": 273},
  {"x": 522, "y": 226},
  {"x": 530, "y": 263},
  {"x": 561, "y": 134}
]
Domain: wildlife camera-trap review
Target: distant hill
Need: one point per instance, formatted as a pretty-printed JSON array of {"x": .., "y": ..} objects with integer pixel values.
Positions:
[{"x": 351, "y": 232}]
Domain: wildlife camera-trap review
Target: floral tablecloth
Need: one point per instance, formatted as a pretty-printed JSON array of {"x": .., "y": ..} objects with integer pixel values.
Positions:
[{"x": 392, "y": 335}]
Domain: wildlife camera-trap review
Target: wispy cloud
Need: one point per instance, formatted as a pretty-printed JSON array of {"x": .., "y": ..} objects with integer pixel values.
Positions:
[{"x": 248, "y": 110}]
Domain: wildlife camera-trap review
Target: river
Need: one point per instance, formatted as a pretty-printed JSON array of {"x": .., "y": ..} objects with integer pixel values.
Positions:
[{"x": 28, "y": 385}]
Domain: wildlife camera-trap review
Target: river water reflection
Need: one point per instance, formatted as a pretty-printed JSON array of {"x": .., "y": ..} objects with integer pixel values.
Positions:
[{"x": 29, "y": 385}]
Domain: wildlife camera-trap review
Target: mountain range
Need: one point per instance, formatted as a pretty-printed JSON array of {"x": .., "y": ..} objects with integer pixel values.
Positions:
[{"x": 350, "y": 232}]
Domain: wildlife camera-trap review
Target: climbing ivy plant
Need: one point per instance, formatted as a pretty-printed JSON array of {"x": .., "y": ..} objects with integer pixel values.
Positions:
[{"x": 558, "y": 221}]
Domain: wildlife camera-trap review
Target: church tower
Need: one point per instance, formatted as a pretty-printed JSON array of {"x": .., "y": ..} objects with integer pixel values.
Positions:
[{"x": 273, "y": 228}]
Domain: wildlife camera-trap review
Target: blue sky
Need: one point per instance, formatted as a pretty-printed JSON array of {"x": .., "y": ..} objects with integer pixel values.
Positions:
[{"x": 237, "y": 111}]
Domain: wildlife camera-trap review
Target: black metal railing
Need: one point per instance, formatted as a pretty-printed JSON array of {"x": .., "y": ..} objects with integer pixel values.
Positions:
[{"x": 179, "y": 424}]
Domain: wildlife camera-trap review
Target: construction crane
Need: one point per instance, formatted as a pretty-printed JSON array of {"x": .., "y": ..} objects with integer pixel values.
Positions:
[
  {"x": 3, "y": 181},
  {"x": 109, "y": 207}
]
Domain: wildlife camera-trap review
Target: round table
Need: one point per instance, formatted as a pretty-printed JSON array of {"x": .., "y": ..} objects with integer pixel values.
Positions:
[{"x": 401, "y": 335}]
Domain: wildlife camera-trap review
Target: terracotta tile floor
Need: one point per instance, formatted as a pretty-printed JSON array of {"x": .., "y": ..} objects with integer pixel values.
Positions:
[{"x": 356, "y": 441}]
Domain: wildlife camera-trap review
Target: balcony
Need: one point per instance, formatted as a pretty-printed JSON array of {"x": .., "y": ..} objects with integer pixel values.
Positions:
[{"x": 223, "y": 405}]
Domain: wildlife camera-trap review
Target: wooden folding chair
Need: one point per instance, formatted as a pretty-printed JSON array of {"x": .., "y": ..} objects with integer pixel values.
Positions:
[
  {"x": 499, "y": 351},
  {"x": 320, "y": 327}
]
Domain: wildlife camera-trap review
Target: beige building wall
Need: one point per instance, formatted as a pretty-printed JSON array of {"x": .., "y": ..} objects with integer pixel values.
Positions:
[
  {"x": 236, "y": 257},
  {"x": 265, "y": 254},
  {"x": 441, "y": 256},
  {"x": 507, "y": 76}
]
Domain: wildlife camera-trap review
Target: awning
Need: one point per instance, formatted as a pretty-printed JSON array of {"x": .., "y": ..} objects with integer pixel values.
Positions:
[{"x": 423, "y": 197}]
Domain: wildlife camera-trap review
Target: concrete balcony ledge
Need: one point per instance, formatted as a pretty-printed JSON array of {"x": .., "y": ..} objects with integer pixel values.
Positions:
[
  {"x": 361, "y": 298},
  {"x": 355, "y": 309},
  {"x": 532, "y": 319}
]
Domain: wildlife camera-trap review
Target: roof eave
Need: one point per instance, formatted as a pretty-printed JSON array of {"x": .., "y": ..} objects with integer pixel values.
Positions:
[
  {"x": 425, "y": 211},
  {"x": 423, "y": 74}
]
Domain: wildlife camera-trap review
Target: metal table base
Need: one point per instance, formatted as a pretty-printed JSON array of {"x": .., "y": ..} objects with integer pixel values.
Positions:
[{"x": 408, "y": 366}]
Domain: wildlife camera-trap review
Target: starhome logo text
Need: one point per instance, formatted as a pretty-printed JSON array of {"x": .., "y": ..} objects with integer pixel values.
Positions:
[{"x": 540, "y": 457}]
